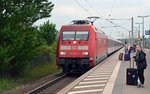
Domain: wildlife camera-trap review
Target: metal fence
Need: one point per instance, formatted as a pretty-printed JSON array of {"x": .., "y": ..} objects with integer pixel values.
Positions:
[{"x": 42, "y": 60}]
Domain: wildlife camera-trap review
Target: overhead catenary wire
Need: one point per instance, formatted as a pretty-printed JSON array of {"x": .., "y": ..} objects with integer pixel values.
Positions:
[
  {"x": 125, "y": 23},
  {"x": 83, "y": 8},
  {"x": 112, "y": 8},
  {"x": 105, "y": 18},
  {"x": 99, "y": 14}
]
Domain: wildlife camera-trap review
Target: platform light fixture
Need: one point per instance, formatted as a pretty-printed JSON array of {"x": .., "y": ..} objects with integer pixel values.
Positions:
[
  {"x": 139, "y": 31},
  {"x": 143, "y": 28}
]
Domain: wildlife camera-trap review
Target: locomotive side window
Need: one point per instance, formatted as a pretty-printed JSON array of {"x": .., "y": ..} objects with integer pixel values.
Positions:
[
  {"x": 68, "y": 35},
  {"x": 82, "y": 35}
]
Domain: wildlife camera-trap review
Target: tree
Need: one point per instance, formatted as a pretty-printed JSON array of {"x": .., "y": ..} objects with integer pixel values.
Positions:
[
  {"x": 17, "y": 48},
  {"x": 48, "y": 32},
  {"x": 18, "y": 39},
  {"x": 24, "y": 12}
]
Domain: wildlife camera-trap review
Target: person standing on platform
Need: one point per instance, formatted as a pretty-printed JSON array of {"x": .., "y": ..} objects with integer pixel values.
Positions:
[
  {"x": 129, "y": 50},
  {"x": 141, "y": 63},
  {"x": 126, "y": 45},
  {"x": 134, "y": 47}
]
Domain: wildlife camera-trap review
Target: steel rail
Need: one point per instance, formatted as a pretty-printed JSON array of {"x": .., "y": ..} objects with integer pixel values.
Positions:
[{"x": 46, "y": 85}]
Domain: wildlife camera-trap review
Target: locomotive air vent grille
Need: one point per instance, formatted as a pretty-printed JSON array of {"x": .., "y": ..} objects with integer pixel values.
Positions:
[
  {"x": 82, "y": 47},
  {"x": 74, "y": 47},
  {"x": 65, "y": 47}
]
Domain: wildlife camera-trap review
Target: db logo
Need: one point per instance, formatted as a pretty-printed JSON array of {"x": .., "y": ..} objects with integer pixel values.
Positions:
[{"x": 74, "y": 47}]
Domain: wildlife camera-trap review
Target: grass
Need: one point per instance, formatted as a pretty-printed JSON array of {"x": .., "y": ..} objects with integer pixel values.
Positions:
[
  {"x": 6, "y": 84},
  {"x": 30, "y": 74},
  {"x": 40, "y": 71}
]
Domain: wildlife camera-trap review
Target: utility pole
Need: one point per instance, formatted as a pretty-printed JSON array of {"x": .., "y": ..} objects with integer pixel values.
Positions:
[
  {"x": 135, "y": 33},
  {"x": 129, "y": 37},
  {"x": 132, "y": 31}
]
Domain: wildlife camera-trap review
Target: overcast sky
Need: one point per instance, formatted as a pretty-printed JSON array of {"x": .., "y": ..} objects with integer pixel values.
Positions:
[{"x": 67, "y": 10}]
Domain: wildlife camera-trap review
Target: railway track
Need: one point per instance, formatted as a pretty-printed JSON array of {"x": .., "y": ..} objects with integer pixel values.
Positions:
[
  {"x": 46, "y": 85},
  {"x": 55, "y": 85}
]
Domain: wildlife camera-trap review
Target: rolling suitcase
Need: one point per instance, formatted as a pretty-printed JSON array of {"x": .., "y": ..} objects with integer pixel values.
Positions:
[
  {"x": 126, "y": 57},
  {"x": 132, "y": 75},
  {"x": 120, "y": 56}
]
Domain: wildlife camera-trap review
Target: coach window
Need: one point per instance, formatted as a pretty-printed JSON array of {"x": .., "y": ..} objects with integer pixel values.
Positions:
[
  {"x": 82, "y": 35},
  {"x": 68, "y": 35}
]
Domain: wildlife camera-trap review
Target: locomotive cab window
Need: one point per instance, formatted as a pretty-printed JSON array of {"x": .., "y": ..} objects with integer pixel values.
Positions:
[
  {"x": 75, "y": 35},
  {"x": 68, "y": 35},
  {"x": 82, "y": 35}
]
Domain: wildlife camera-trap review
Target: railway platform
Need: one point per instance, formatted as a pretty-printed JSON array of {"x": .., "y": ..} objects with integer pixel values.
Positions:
[
  {"x": 108, "y": 77},
  {"x": 127, "y": 89}
]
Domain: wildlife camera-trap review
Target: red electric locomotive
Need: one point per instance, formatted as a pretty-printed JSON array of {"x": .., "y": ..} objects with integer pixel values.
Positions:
[{"x": 80, "y": 46}]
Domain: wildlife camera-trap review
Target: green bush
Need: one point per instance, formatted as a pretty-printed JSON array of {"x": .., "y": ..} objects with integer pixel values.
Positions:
[
  {"x": 46, "y": 50},
  {"x": 17, "y": 47},
  {"x": 40, "y": 71},
  {"x": 53, "y": 48}
]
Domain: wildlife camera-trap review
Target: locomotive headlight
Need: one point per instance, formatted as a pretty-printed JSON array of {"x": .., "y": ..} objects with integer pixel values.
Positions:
[
  {"x": 62, "y": 53},
  {"x": 84, "y": 53},
  {"x": 74, "y": 42}
]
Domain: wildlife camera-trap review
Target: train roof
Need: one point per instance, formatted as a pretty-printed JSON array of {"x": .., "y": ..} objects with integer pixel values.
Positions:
[
  {"x": 78, "y": 23},
  {"x": 109, "y": 37},
  {"x": 88, "y": 23},
  {"x": 84, "y": 23}
]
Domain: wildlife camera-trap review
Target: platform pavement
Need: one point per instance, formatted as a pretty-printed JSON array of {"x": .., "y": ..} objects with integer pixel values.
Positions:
[
  {"x": 120, "y": 86},
  {"x": 117, "y": 85}
]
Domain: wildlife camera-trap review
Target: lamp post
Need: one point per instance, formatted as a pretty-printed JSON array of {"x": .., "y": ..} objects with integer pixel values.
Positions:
[
  {"x": 143, "y": 28},
  {"x": 139, "y": 32},
  {"x": 135, "y": 32}
]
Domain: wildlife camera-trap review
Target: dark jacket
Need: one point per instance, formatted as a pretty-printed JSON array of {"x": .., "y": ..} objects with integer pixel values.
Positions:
[{"x": 140, "y": 59}]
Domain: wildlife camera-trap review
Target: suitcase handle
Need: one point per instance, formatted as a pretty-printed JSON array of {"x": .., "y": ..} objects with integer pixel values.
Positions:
[
  {"x": 133, "y": 63},
  {"x": 130, "y": 63}
]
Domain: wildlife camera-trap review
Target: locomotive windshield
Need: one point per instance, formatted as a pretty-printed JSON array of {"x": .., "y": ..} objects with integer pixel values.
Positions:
[
  {"x": 75, "y": 35},
  {"x": 68, "y": 35}
]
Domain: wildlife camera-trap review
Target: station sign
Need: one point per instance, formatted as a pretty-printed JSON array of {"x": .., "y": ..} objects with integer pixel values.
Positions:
[{"x": 147, "y": 32}]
